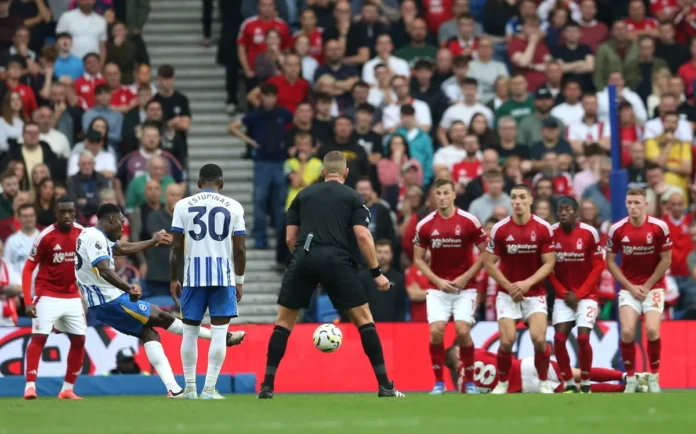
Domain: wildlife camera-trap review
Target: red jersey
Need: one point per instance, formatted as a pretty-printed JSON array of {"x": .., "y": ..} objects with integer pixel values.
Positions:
[
  {"x": 437, "y": 12},
  {"x": 316, "y": 43},
  {"x": 252, "y": 35},
  {"x": 461, "y": 47},
  {"x": 578, "y": 253},
  {"x": 681, "y": 244},
  {"x": 520, "y": 248},
  {"x": 85, "y": 85},
  {"x": 640, "y": 248},
  {"x": 451, "y": 242},
  {"x": 414, "y": 275},
  {"x": 54, "y": 253},
  {"x": 668, "y": 7},
  {"x": 486, "y": 373},
  {"x": 121, "y": 96},
  {"x": 562, "y": 183},
  {"x": 28, "y": 98},
  {"x": 686, "y": 25},
  {"x": 644, "y": 24},
  {"x": 535, "y": 79},
  {"x": 290, "y": 95},
  {"x": 465, "y": 171}
]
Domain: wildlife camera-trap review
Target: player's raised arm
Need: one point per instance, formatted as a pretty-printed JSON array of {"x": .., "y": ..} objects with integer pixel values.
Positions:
[{"x": 123, "y": 248}]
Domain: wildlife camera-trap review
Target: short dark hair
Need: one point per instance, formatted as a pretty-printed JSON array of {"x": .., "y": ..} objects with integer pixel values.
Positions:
[
  {"x": 24, "y": 206},
  {"x": 649, "y": 165},
  {"x": 384, "y": 242},
  {"x": 491, "y": 220},
  {"x": 423, "y": 64},
  {"x": 524, "y": 187},
  {"x": 465, "y": 16},
  {"x": 268, "y": 89},
  {"x": 63, "y": 199},
  {"x": 7, "y": 174},
  {"x": 440, "y": 182},
  {"x": 210, "y": 173},
  {"x": 380, "y": 65},
  {"x": 460, "y": 61},
  {"x": 29, "y": 124},
  {"x": 165, "y": 71},
  {"x": 469, "y": 82},
  {"x": 669, "y": 113},
  {"x": 636, "y": 191},
  {"x": 367, "y": 108},
  {"x": 102, "y": 88},
  {"x": 152, "y": 101},
  {"x": 63, "y": 35},
  {"x": 408, "y": 110},
  {"x": 572, "y": 23},
  {"x": 543, "y": 179},
  {"x": 107, "y": 209},
  {"x": 493, "y": 174},
  {"x": 90, "y": 54},
  {"x": 323, "y": 97},
  {"x": 344, "y": 117},
  {"x": 360, "y": 83}
]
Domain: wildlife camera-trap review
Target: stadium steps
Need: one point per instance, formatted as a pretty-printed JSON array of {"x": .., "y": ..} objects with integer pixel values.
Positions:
[{"x": 174, "y": 34}]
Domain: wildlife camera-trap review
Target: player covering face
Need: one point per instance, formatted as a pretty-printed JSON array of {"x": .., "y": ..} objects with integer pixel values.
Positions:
[{"x": 449, "y": 234}]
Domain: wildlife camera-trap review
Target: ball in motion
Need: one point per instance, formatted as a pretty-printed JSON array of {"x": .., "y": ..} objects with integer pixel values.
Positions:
[{"x": 327, "y": 338}]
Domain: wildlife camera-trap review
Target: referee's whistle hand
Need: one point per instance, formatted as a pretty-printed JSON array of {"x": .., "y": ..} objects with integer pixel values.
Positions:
[{"x": 382, "y": 283}]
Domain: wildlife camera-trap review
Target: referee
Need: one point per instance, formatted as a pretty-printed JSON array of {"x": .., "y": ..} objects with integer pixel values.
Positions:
[{"x": 320, "y": 222}]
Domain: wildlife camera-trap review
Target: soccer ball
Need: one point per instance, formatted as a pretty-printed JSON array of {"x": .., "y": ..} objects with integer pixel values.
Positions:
[{"x": 327, "y": 338}]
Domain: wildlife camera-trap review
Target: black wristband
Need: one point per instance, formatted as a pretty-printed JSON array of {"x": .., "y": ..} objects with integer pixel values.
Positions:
[{"x": 376, "y": 272}]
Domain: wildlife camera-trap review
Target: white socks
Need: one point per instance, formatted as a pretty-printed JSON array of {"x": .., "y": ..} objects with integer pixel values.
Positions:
[
  {"x": 189, "y": 351},
  {"x": 177, "y": 328},
  {"x": 30, "y": 384},
  {"x": 156, "y": 356},
  {"x": 216, "y": 355},
  {"x": 66, "y": 386}
]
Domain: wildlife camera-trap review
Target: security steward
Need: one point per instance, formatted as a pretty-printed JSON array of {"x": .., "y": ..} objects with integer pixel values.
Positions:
[{"x": 320, "y": 223}]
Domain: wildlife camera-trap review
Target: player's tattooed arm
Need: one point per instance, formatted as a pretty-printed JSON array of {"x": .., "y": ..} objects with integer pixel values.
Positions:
[
  {"x": 124, "y": 248},
  {"x": 111, "y": 277},
  {"x": 489, "y": 263}
]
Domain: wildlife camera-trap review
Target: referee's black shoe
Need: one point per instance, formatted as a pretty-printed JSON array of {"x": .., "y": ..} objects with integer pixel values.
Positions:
[
  {"x": 389, "y": 392},
  {"x": 266, "y": 392}
]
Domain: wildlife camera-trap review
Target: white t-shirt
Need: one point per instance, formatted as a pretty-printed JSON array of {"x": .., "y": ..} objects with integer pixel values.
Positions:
[
  {"x": 448, "y": 156},
  {"x": 376, "y": 96},
  {"x": 569, "y": 114},
  {"x": 464, "y": 113},
  {"x": 396, "y": 65},
  {"x": 58, "y": 142},
  {"x": 87, "y": 31},
  {"x": 391, "y": 116},
  {"x": 208, "y": 221},
  {"x": 17, "y": 249},
  {"x": 8, "y": 131},
  {"x": 309, "y": 65},
  {"x": 587, "y": 133},
  {"x": 631, "y": 97},
  {"x": 654, "y": 128},
  {"x": 93, "y": 246},
  {"x": 103, "y": 162}
]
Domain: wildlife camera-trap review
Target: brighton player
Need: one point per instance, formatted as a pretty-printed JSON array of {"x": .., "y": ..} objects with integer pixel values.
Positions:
[
  {"x": 579, "y": 263},
  {"x": 450, "y": 234},
  {"x": 524, "y": 245},
  {"x": 646, "y": 254},
  {"x": 524, "y": 377},
  {"x": 212, "y": 226},
  {"x": 116, "y": 303},
  {"x": 56, "y": 302}
]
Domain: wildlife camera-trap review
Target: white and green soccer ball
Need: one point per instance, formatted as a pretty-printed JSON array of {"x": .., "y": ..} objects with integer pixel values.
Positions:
[{"x": 327, "y": 338}]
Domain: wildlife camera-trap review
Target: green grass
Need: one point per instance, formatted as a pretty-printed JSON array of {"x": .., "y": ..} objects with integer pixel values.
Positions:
[{"x": 672, "y": 413}]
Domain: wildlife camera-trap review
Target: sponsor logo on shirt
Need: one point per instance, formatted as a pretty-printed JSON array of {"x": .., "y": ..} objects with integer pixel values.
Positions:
[
  {"x": 639, "y": 250},
  {"x": 446, "y": 243},
  {"x": 59, "y": 258},
  {"x": 521, "y": 249}
]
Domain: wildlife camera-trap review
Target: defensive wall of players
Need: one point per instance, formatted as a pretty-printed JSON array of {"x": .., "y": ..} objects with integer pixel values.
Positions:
[{"x": 309, "y": 370}]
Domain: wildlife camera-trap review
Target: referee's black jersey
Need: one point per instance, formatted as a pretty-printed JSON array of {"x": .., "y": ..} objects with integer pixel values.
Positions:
[{"x": 329, "y": 210}]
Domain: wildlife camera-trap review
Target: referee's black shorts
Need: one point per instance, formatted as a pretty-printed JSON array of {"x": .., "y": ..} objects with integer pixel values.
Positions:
[{"x": 333, "y": 268}]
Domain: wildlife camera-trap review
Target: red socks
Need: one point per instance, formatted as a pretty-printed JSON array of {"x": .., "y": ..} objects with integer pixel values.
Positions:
[
  {"x": 602, "y": 375},
  {"x": 504, "y": 360},
  {"x": 75, "y": 357},
  {"x": 654, "y": 348},
  {"x": 607, "y": 388},
  {"x": 585, "y": 356},
  {"x": 628, "y": 354},
  {"x": 559, "y": 346},
  {"x": 34, "y": 350},
  {"x": 437, "y": 356},
  {"x": 541, "y": 363},
  {"x": 467, "y": 356}
]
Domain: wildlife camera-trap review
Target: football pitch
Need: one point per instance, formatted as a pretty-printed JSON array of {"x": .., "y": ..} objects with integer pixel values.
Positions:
[{"x": 672, "y": 413}]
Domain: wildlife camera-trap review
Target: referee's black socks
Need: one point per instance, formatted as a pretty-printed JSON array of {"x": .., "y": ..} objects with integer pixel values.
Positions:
[
  {"x": 276, "y": 351},
  {"x": 373, "y": 348}
]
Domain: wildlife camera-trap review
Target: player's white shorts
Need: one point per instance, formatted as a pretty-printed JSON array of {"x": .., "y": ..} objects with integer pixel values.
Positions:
[
  {"x": 507, "y": 308},
  {"x": 585, "y": 316},
  {"x": 441, "y": 305},
  {"x": 66, "y": 314},
  {"x": 530, "y": 376},
  {"x": 654, "y": 301}
]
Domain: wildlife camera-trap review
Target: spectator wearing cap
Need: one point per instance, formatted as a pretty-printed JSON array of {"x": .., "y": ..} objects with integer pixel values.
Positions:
[
  {"x": 520, "y": 104},
  {"x": 590, "y": 129},
  {"x": 102, "y": 109},
  {"x": 622, "y": 91},
  {"x": 420, "y": 145},
  {"x": 570, "y": 111},
  {"x": 265, "y": 133},
  {"x": 175, "y": 110},
  {"x": 391, "y": 117},
  {"x": 346, "y": 75},
  {"x": 33, "y": 152},
  {"x": 67, "y": 63},
  {"x": 485, "y": 70},
  {"x": 104, "y": 161},
  {"x": 345, "y": 142},
  {"x": 448, "y": 29},
  {"x": 122, "y": 99},
  {"x": 529, "y": 54},
  {"x": 13, "y": 84},
  {"x": 617, "y": 54},
  {"x": 578, "y": 58},
  {"x": 125, "y": 364},
  {"x": 87, "y": 28},
  {"x": 9, "y": 22},
  {"x": 86, "y": 85},
  {"x": 396, "y": 65},
  {"x": 418, "y": 47},
  {"x": 529, "y": 128},
  {"x": 84, "y": 186},
  {"x": 452, "y": 86},
  {"x": 551, "y": 141},
  {"x": 59, "y": 143},
  {"x": 464, "y": 110}
]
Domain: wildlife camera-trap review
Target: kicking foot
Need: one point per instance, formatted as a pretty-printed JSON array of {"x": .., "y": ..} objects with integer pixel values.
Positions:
[
  {"x": 69, "y": 394},
  {"x": 235, "y": 338},
  {"x": 175, "y": 395},
  {"x": 266, "y": 392}
]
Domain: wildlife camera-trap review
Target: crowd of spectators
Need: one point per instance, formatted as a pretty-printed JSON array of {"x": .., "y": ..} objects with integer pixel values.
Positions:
[
  {"x": 81, "y": 116},
  {"x": 485, "y": 93}
]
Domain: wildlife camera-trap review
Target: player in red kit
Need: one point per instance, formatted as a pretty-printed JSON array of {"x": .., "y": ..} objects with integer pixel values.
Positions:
[
  {"x": 56, "y": 301},
  {"x": 523, "y": 243},
  {"x": 579, "y": 263},
  {"x": 450, "y": 234},
  {"x": 646, "y": 254}
]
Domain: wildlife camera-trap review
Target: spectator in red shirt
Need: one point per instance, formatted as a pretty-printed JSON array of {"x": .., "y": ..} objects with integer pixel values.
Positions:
[
  {"x": 664, "y": 10},
  {"x": 292, "y": 89},
  {"x": 85, "y": 85},
  {"x": 685, "y": 21},
  {"x": 687, "y": 71},
  {"x": 436, "y": 12},
  {"x": 529, "y": 54},
  {"x": 308, "y": 22},
  {"x": 464, "y": 44},
  {"x": 593, "y": 32},
  {"x": 251, "y": 39},
  {"x": 417, "y": 286},
  {"x": 122, "y": 98},
  {"x": 14, "y": 73},
  {"x": 638, "y": 24}
]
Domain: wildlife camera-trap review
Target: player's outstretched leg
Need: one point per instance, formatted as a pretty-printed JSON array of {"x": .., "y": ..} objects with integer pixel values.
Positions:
[
  {"x": 362, "y": 318},
  {"x": 76, "y": 355},
  {"x": 167, "y": 321},
  {"x": 156, "y": 356},
  {"x": 34, "y": 350},
  {"x": 276, "y": 348},
  {"x": 559, "y": 345}
]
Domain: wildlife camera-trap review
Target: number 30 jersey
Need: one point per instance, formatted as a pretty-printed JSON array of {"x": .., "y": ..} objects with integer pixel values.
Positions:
[{"x": 208, "y": 221}]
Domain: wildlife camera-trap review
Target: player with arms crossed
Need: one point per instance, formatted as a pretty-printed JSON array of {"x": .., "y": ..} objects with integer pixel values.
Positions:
[
  {"x": 212, "y": 226},
  {"x": 524, "y": 245},
  {"x": 646, "y": 254},
  {"x": 579, "y": 263},
  {"x": 56, "y": 301},
  {"x": 450, "y": 234}
]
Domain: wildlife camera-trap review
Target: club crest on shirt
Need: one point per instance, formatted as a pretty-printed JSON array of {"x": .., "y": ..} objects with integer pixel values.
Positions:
[
  {"x": 457, "y": 231},
  {"x": 533, "y": 236},
  {"x": 648, "y": 239},
  {"x": 579, "y": 245}
]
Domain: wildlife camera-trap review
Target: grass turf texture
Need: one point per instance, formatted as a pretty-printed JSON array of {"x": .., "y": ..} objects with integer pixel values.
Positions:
[{"x": 671, "y": 413}]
